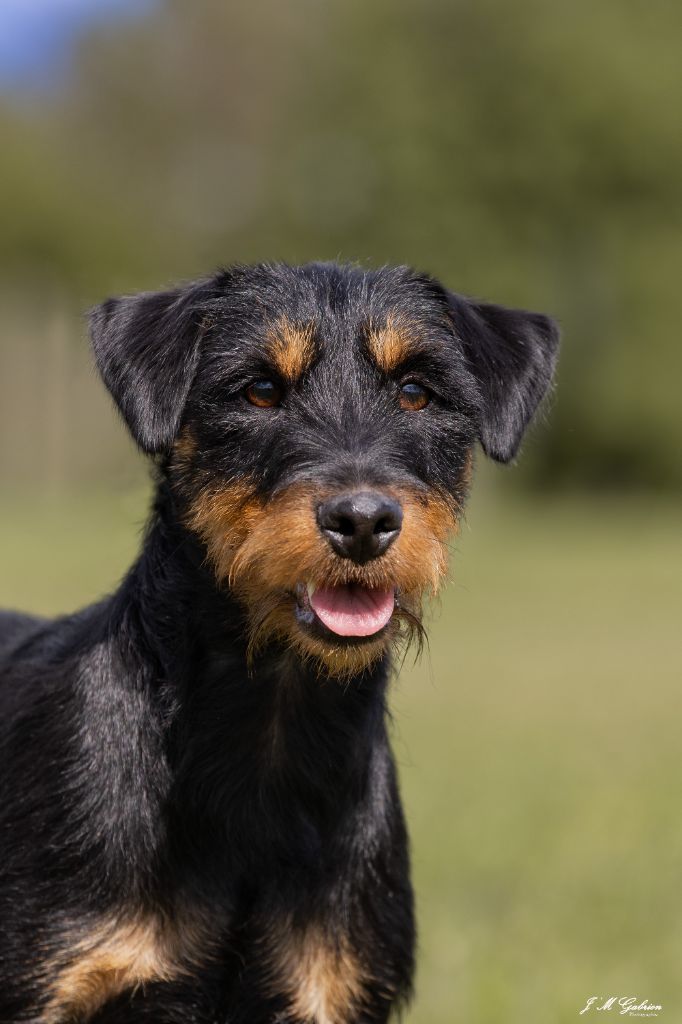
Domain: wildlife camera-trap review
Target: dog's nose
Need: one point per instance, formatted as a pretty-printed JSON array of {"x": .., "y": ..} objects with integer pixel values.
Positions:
[{"x": 360, "y": 525}]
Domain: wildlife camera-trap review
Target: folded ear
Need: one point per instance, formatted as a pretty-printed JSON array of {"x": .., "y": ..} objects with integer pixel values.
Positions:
[
  {"x": 512, "y": 354},
  {"x": 147, "y": 350}
]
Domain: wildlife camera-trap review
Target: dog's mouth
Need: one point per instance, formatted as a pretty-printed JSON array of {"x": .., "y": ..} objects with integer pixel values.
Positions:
[
  {"x": 347, "y": 612},
  {"x": 298, "y": 591}
]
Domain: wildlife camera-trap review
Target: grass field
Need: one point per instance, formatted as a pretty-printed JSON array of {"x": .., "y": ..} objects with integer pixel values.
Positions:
[{"x": 538, "y": 742}]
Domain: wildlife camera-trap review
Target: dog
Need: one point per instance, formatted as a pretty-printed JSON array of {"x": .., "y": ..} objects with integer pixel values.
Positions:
[{"x": 200, "y": 818}]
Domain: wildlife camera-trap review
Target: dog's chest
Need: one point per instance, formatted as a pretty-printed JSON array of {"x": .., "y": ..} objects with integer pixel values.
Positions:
[{"x": 319, "y": 976}]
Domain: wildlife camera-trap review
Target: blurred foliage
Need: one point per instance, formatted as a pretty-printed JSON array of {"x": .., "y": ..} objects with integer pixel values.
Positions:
[{"x": 526, "y": 152}]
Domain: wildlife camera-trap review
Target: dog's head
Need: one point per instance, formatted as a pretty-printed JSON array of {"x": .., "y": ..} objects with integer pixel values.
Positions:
[{"x": 316, "y": 425}]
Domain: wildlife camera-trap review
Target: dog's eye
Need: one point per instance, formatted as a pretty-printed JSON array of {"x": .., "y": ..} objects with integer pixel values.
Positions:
[
  {"x": 264, "y": 393},
  {"x": 414, "y": 396}
]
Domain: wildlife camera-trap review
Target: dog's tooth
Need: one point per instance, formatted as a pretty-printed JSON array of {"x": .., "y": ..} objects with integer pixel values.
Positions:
[{"x": 310, "y": 587}]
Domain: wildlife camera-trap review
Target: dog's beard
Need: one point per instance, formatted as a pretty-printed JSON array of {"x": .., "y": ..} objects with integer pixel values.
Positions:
[
  {"x": 274, "y": 618},
  {"x": 266, "y": 551}
]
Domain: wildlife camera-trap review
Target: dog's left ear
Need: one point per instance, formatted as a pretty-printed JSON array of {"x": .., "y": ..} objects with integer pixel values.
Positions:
[
  {"x": 147, "y": 351},
  {"x": 512, "y": 355}
]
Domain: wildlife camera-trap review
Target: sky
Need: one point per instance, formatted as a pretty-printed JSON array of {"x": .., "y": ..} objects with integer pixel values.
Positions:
[{"x": 37, "y": 36}]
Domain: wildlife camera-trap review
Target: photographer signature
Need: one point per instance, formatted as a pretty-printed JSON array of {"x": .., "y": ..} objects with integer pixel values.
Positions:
[{"x": 624, "y": 1005}]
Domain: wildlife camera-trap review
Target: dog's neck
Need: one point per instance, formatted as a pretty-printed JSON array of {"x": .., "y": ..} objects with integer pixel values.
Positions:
[{"x": 272, "y": 750}]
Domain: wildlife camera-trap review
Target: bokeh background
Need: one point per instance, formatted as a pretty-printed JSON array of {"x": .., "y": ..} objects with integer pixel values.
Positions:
[{"x": 526, "y": 152}]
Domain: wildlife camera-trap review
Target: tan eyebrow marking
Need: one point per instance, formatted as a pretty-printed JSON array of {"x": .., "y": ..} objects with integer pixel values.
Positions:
[
  {"x": 394, "y": 342},
  {"x": 291, "y": 348}
]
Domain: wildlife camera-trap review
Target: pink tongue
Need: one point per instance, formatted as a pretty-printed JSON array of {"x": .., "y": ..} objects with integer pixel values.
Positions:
[{"x": 352, "y": 610}]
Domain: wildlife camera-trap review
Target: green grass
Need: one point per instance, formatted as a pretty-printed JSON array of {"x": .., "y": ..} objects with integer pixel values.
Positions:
[{"x": 538, "y": 744}]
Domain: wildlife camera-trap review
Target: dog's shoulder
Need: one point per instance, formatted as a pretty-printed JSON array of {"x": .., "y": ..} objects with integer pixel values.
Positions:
[
  {"x": 15, "y": 628},
  {"x": 38, "y": 659}
]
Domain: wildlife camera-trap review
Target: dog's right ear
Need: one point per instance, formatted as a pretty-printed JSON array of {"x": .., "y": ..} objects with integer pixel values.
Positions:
[{"x": 147, "y": 351}]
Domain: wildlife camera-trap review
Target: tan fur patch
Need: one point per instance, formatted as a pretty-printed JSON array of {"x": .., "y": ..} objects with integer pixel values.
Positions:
[
  {"x": 117, "y": 956},
  {"x": 182, "y": 459},
  {"x": 264, "y": 550},
  {"x": 393, "y": 343},
  {"x": 223, "y": 518},
  {"x": 468, "y": 471},
  {"x": 323, "y": 976},
  {"x": 291, "y": 348},
  {"x": 184, "y": 448}
]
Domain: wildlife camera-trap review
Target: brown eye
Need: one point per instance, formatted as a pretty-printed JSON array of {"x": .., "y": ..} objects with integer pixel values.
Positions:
[
  {"x": 414, "y": 397},
  {"x": 264, "y": 393}
]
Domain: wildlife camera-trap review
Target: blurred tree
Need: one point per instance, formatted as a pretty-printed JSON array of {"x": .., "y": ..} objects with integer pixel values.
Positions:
[{"x": 526, "y": 152}]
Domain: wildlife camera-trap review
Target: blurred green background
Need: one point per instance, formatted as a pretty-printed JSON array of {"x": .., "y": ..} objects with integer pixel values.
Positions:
[{"x": 524, "y": 152}]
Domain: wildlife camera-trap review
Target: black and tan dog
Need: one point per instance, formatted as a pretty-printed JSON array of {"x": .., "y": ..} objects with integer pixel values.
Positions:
[{"x": 199, "y": 817}]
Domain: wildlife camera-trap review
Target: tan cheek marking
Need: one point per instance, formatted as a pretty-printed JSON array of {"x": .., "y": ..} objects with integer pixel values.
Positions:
[
  {"x": 281, "y": 542},
  {"x": 291, "y": 348},
  {"x": 224, "y": 519},
  {"x": 421, "y": 552},
  {"x": 324, "y": 978},
  {"x": 393, "y": 343},
  {"x": 254, "y": 544}
]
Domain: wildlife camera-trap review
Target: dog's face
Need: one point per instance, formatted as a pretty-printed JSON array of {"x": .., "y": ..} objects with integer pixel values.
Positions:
[{"x": 317, "y": 424}]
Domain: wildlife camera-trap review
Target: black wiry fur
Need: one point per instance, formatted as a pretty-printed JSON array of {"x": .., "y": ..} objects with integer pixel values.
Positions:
[{"x": 144, "y": 770}]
